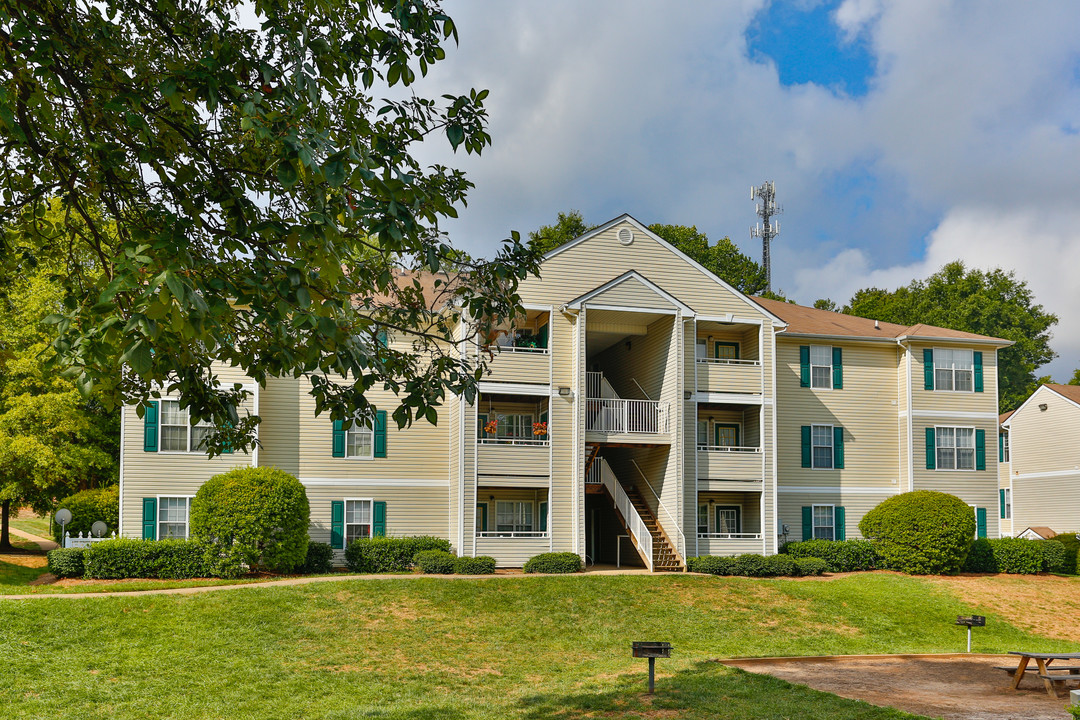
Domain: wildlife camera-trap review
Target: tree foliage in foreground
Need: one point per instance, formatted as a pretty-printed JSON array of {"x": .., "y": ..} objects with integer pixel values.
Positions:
[
  {"x": 723, "y": 258},
  {"x": 241, "y": 194},
  {"x": 993, "y": 303}
]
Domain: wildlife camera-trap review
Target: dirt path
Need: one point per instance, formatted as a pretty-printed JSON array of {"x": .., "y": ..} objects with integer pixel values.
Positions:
[
  {"x": 954, "y": 687},
  {"x": 44, "y": 543}
]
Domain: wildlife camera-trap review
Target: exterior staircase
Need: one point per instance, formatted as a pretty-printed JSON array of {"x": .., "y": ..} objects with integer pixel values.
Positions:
[{"x": 665, "y": 558}]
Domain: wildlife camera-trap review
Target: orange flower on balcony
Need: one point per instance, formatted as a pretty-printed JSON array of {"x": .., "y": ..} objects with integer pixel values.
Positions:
[
  {"x": 491, "y": 427},
  {"x": 540, "y": 429}
]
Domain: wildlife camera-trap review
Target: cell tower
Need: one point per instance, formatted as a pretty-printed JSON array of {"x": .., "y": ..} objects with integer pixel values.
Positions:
[{"x": 766, "y": 229}]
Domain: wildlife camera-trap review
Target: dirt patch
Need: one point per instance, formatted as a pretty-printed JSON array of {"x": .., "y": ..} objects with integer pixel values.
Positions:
[
  {"x": 1045, "y": 605},
  {"x": 967, "y": 688},
  {"x": 25, "y": 560}
]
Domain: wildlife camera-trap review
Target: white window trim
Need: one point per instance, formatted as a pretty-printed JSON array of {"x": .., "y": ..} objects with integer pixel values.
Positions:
[
  {"x": 974, "y": 450},
  {"x": 1008, "y": 504},
  {"x": 829, "y": 384},
  {"x": 813, "y": 520},
  {"x": 738, "y": 518},
  {"x": 534, "y": 515},
  {"x": 832, "y": 446},
  {"x": 1005, "y": 447},
  {"x": 161, "y": 427},
  {"x": 360, "y": 458},
  {"x": 345, "y": 517},
  {"x": 187, "y": 516},
  {"x": 938, "y": 350}
]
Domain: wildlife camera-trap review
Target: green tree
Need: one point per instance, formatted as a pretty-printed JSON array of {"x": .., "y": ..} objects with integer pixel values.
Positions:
[
  {"x": 568, "y": 225},
  {"x": 220, "y": 188},
  {"x": 993, "y": 303},
  {"x": 1075, "y": 379},
  {"x": 826, "y": 304}
]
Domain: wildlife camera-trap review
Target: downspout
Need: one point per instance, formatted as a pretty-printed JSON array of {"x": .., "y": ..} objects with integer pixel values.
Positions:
[{"x": 910, "y": 415}]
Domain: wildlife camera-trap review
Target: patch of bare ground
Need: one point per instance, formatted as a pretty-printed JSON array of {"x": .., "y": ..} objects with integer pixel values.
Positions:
[
  {"x": 950, "y": 687},
  {"x": 1046, "y": 605},
  {"x": 25, "y": 560}
]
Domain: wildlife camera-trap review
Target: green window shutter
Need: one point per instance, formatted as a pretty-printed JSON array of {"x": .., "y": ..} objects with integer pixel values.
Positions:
[
  {"x": 543, "y": 517},
  {"x": 481, "y": 511},
  {"x": 383, "y": 338},
  {"x": 378, "y": 519},
  {"x": 980, "y": 521},
  {"x": 806, "y": 446},
  {"x": 980, "y": 449},
  {"x": 839, "y": 523},
  {"x": 380, "y": 434},
  {"x": 1001, "y": 503},
  {"x": 339, "y": 439},
  {"x": 807, "y": 523},
  {"x": 928, "y": 368},
  {"x": 149, "y": 518},
  {"x": 1001, "y": 447},
  {"x": 542, "y": 336},
  {"x": 804, "y": 366},
  {"x": 150, "y": 427},
  {"x": 977, "y": 363},
  {"x": 481, "y": 421},
  {"x": 838, "y": 447},
  {"x": 837, "y": 369},
  {"x": 337, "y": 524},
  {"x": 931, "y": 449}
]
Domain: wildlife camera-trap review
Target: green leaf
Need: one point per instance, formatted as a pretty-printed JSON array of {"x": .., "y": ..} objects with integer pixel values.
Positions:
[
  {"x": 455, "y": 134},
  {"x": 335, "y": 173},
  {"x": 286, "y": 173}
]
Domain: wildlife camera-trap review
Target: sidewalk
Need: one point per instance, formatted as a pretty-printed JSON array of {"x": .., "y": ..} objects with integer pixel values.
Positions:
[{"x": 44, "y": 543}]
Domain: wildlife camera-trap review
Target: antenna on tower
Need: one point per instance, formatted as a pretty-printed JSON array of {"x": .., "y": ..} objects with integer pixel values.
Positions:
[{"x": 766, "y": 229}]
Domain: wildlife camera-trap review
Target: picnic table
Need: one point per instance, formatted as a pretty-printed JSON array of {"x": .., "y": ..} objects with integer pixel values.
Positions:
[{"x": 1044, "y": 662}]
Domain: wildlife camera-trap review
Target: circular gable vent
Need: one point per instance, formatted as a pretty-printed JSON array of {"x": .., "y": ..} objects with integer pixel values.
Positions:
[{"x": 625, "y": 235}]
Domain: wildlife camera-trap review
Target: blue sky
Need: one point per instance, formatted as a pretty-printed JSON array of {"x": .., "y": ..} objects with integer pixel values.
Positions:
[{"x": 901, "y": 134}]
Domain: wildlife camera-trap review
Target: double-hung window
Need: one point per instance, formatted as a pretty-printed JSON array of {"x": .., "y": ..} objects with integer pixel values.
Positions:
[
  {"x": 1006, "y": 508},
  {"x": 357, "y": 520},
  {"x": 360, "y": 440},
  {"x": 821, "y": 445},
  {"x": 1004, "y": 447},
  {"x": 824, "y": 522},
  {"x": 514, "y": 516},
  {"x": 955, "y": 448},
  {"x": 173, "y": 517},
  {"x": 954, "y": 370},
  {"x": 177, "y": 432},
  {"x": 821, "y": 367}
]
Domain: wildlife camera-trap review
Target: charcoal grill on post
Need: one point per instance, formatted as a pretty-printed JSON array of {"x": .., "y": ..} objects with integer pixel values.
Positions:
[
  {"x": 652, "y": 650},
  {"x": 971, "y": 621}
]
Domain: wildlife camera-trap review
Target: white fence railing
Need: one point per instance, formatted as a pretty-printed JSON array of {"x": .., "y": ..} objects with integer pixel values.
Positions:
[
  {"x": 625, "y": 416},
  {"x": 729, "y": 536},
  {"x": 728, "y": 361},
  {"x": 513, "y": 441},
  {"x": 509, "y": 534},
  {"x": 729, "y": 448},
  {"x": 634, "y": 524},
  {"x": 78, "y": 541}
]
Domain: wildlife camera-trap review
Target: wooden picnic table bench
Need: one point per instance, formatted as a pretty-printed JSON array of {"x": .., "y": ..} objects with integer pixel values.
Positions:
[{"x": 1044, "y": 661}]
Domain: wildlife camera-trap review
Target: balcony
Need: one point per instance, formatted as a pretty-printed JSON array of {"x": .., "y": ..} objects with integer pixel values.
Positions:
[
  {"x": 509, "y": 456},
  {"x": 720, "y": 375},
  {"x": 617, "y": 416},
  {"x": 512, "y": 364},
  {"x": 730, "y": 463}
]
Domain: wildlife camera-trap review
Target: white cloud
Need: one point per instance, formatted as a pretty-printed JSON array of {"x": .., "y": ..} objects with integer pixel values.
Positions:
[{"x": 853, "y": 16}]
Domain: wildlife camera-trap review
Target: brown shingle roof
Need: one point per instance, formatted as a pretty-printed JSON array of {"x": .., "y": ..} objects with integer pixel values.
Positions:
[
  {"x": 1070, "y": 392},
  {"x": 811, "y": 321},
  {"x": 435, "y": 298},
  {"x": 1005, "y": 416}
]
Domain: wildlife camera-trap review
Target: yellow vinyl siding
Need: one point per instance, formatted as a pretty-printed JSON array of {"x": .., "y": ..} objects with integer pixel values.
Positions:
[
  {"x": 519, "y": 367},
  {"x": 1044, "y": 442},
  {"x": 631, "y": 292},
  {"x": 279, "y": 431},
  {"x": 856, "y": 504},
  {"x": 953, "y": 401}
]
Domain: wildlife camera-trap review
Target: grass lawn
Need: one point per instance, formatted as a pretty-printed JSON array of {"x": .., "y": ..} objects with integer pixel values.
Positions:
[
  {"x": 511, "y": 647},
  {"x": 34, "y": 525}
]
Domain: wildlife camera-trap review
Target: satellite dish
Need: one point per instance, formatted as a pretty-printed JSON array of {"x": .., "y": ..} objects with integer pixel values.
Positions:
[
  {"x": 99, "y": 529},
  {"x": 62, "y": 516}
]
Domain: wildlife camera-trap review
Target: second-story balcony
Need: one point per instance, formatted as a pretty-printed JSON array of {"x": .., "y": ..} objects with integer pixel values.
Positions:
[
  {"x": 623, "y": 416},
  {"x": 724, "y": 375},
  {"x": 725, "y": 462},
  {"x": 520, "y": 353}
]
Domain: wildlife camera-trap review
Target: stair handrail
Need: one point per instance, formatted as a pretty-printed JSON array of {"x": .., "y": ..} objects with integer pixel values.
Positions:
[
  {"x": 634, "y": 524},
  {"x": 647, "y": 396},
  {"x": 678, "y": 525}
]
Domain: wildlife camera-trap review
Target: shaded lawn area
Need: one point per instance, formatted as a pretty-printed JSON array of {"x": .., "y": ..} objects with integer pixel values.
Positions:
[
  {"x": 514, "y": 647},
  {"x": 34, "y": 525},
  {"x": 16, "y": 571}
]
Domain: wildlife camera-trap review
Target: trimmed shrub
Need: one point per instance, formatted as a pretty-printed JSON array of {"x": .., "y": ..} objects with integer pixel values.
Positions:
[
  {"x": 435, "y": 562},
  {"x": 87, "y": 507},
  {"x": 810, "y": 566},
  {"x": 554, "y": 563},
  {"x": 711, "y": 564},
  {"x": 781, "y": 565},
  {"x": 482, "y": 565},
  {"x": 257, "y": 514},
  {"x": 170, "y": 559},
  {"x": 853, "y": 555},
  {"x": 922, "y": 532},
  {"x": 1053, "y": 555},
  {"x": 1017, "y": 556},
  {"x": 752, "y": 565},
  {"x": 382, "y": 554},
  {"x": 981, "y": 557},
  {"x": 66, "y": 562},
  {"x": 1072, "y": 552},
  {"x": 319, "y": 560}
]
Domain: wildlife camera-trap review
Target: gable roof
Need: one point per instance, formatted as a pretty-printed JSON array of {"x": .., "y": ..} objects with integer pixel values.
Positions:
[
  {"x": 802, "y": 320},
  {"x": 1005, "y": 416},
  {"x": 1070, "y": 393},
  {"x": 631, "y": 276},
  {"x": 627, "y": 218}
]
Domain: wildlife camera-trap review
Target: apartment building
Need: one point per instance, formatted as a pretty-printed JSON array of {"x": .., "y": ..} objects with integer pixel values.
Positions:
[
  {"x": 1039, "y": 478},
  {"x": 644, "y": 411}
]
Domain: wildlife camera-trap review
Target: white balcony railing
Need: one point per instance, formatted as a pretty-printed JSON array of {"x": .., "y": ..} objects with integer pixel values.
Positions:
[
  {"x": 729, "y": 448},
  {"x": 616, "y": 415},
  {"x": 514, "y": 441},
  {"x": 728, "y": 361},
  {"x": 729, "y": 536},
  {"x": 511, "y": 534}
]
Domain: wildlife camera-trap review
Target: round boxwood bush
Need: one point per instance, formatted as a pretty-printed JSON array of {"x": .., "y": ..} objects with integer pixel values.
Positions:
[
  {"x": 554, "y": 563},
  {"x": 1053, "y": 553},
  {"x": 87, "y": 507},
  {"x": 66, "y": 562},
  {"x": 780, "y": 565},
  {"x": 319, "y": 560},
  {"x": 259, "y": 515},
  {"x": 435, "y": 562},
  {"x": 923, "y": 532},
  {"x": 810, "y": 566},
  {"x": 752, "y": 565},
  {"x": 482, "y": 565},
  {"x": 711, "y": 564},
  {"x": 1072, "y": 551}
]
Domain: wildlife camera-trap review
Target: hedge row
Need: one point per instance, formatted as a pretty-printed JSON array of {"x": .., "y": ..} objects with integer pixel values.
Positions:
[
  {"x": 1071, "y": 541},
  {"x": 839, "y": 555},
  {"x": 754, "y": 565},
  {"x": 123, "y": 558},
  {"x": 66, "y": 562},
  {"x": 1018, "y": 556},
  {"x": 383, "y": 554}
]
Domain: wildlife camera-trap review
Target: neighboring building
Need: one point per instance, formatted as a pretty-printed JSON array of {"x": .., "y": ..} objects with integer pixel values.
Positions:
[
  {"x": 1005, "y": 514},
  {"x": 644, "y": 409},
  {"x": 1040, "y": 487}
]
